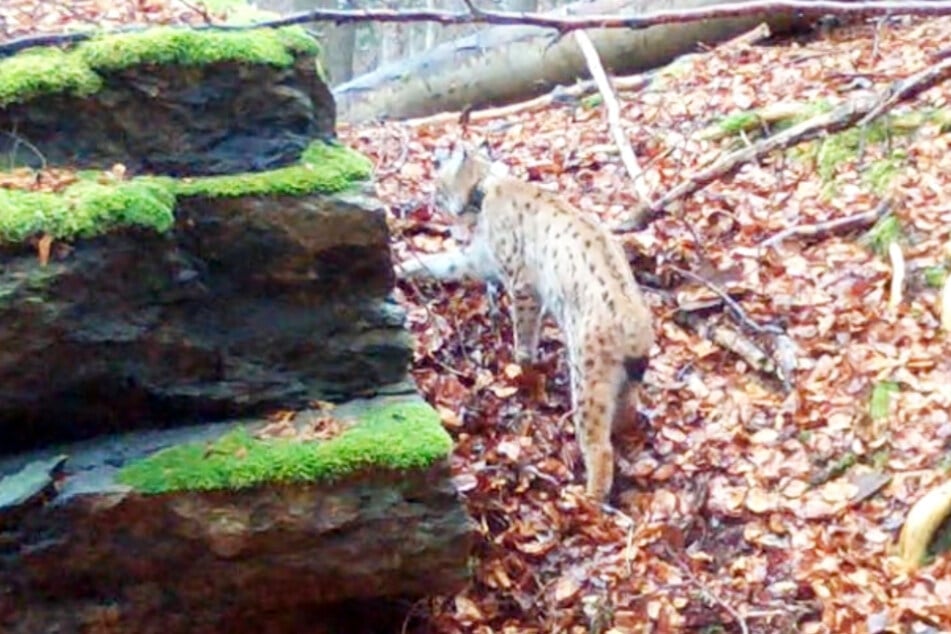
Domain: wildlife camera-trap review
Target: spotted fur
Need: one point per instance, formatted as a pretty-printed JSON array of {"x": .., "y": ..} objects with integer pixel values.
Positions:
[{"x": 554, "y": 259}]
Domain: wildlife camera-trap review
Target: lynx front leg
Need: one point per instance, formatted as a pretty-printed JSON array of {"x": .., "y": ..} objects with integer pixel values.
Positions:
[
  {"x": 448, "y": 265},
  {"x": 526, "y": 326},
  {"x": 526, "y": 323}
]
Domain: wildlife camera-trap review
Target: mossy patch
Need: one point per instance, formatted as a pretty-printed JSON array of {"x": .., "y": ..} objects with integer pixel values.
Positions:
[
  {"x": 89, "y": 208},
  {"x": 399, "y": 436},
  {"x": 44, "y": 71},
  {"x": 887, "y": 230},
  {"x": 170, "y": 45},
  {"x": 47, "y": 70},
  {"x": 880, "y": 401},
  {"x": 831, "y": 153},
  {"x": 324, "y": 167},
  {"x": 84, "y": 209}
]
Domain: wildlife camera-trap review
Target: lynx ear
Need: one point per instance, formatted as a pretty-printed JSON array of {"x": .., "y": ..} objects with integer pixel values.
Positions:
[
  {"x": 440, "y": 156},
  {"x": 485, "y": 150}
]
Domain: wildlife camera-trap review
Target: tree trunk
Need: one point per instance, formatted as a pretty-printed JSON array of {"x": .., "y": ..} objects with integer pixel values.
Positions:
[
  {"x": 505, "y": 64},
  {"x": 339, "y": 40},
  {"x": 524, "y": 6}
]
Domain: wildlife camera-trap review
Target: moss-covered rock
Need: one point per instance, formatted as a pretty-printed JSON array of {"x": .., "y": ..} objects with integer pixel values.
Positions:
[
  {"x": 45, "y": 71},
  {"x": 324, "y": 167},
  {"x": 168, "y": 101},
  {"x": 80, "y": 70},
  {"x": 85, "y": 209},
  {"x": 259, "y": 559},
  {"x": 186, "y": 47},
  {"x": 88, "y": 207},
  {"x": 399, "y": 436}
]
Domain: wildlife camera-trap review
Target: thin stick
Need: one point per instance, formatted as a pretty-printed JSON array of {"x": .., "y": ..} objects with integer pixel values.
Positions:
[
  {"x": 731, "y": 303},
  {"x": 596, "y": 69},
  {"x": 558, "y": 93},
  {"x": 849, "y": 223},
  {"x": 860, "y": 110},
  {"x": 740, "y": 620}
]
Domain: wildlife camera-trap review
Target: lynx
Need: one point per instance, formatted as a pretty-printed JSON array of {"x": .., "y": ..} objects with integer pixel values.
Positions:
[{"x": 551, "y": 259}]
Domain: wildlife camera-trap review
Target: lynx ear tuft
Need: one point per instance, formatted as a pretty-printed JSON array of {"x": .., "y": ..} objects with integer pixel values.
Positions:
[{"x": 440, "y": 156}]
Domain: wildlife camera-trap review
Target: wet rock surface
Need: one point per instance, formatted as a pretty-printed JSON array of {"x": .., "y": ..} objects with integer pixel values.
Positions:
[
  {"x": 221, "y": 118},
  {"x": 248, "y": 303},
  {"x": 299, "y": 557}
]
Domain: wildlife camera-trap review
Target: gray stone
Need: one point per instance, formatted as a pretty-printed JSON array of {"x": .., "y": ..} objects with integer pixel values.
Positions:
[
  {"x": 250, "y": 302},
  {"x": 98, "y": 557},
  {"x": 222, "y": 118}
]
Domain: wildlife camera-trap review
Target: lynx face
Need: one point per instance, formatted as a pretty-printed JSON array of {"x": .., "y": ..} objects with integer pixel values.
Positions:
[{"x": 457, "y": 175}]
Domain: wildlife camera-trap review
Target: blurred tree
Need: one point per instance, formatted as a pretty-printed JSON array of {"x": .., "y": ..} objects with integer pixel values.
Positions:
[{"x": 339, "y": 41}]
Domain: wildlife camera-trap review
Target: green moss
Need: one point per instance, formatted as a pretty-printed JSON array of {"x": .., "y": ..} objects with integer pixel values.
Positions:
[
  {"x": 44, "y": 71},
  {"x": 739, "y": 122},
  {"x": 84, "y": 209},
  {"x": 169, "y": 45},
  {"x": 879, "y": 174},
  {"x": 749, "y": 121},
  {"x": 52, "y": 71},
  {"x": 935, "y": 276},
  {"x": 400, "y": 436},
  {"x": 89, "y": 208},
  {"x": 324, "y": 167},
  {"x": 879, "y": 403},
  {"x": 592, "y": 101},
  {"x": 883, "y": 233}
]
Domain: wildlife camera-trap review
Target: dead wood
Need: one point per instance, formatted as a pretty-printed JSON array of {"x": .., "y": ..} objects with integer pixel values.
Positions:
[{"x": 860, "y": 110}]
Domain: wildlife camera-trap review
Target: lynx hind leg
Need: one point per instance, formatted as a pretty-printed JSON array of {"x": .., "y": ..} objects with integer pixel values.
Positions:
[
  {"x": 626, "y": 415},
  {"x": 596, "y": 389}
]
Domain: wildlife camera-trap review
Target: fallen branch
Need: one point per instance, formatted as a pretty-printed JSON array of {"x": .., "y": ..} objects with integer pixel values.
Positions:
[
  {"x": 733, "y": 341},
  {"x": 710, "y": 594},
  {"x": 596, "y": 69},
  {"x": 734, "y": 307},
  {"x": 831, "y": 227},
  {"x": 779, "y": 364},
  {"x": 806, "y": 9},
  {"x": 863, "y": 109},
  {"x": 897, "y": 259},
  {"x": 558, "y": 94}
]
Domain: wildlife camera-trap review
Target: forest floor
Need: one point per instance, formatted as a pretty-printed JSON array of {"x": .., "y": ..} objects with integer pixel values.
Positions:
[{"x": 744, "y": 506}]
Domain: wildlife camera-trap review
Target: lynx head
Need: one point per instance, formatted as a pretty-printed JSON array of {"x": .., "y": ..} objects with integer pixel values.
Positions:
[{"x": 459, "y": 174}]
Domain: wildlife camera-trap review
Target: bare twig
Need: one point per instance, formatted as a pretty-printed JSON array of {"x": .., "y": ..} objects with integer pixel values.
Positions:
[
  {"x": 732, "y": 341},
  {"x": 909, "y": 88},
  {"x": 684, "y": 567},
  {"x": 17, "y": 141},
  {"x": 859, "y": 110},
  {"x": 829, "y": 227},
  {"x": 596, "y": 69},
  {"x": 738, "y": 312},
  {"x": 897, "y": 259},
  {"x": 559, "y": 22}
]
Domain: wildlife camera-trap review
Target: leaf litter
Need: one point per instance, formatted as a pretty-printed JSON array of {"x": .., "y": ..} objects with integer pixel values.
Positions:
[{"x": 742, "y": 509}]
